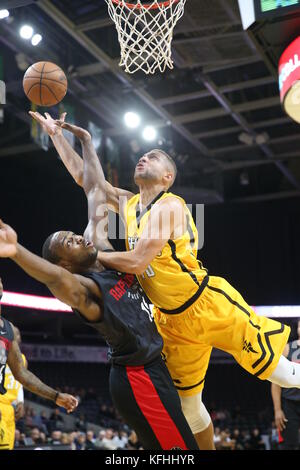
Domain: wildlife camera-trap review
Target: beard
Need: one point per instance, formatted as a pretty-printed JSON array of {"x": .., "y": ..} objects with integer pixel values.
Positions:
[
  {"x": 145, "y": 175},
  {"x": 88, "y": 259}
]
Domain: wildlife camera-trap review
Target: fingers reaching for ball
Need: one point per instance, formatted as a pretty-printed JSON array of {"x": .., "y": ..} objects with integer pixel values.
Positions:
[{"x": 48, "y": 124}]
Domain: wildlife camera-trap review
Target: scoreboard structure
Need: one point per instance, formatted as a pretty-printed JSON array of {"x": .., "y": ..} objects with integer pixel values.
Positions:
[
  {"x": 263, "y": 7},
  {"x": 253, "y": 11}
]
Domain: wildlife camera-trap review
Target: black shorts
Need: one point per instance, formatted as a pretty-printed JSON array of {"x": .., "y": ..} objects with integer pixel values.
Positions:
[
  {"x": 147, "y": 400},
  {"x": 290, "y": 434}
]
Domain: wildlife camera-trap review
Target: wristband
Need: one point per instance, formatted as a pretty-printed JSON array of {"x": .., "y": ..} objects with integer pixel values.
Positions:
[{"x": 56, "y": 397}]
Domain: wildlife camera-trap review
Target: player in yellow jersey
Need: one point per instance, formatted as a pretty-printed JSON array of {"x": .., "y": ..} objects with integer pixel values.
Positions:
[
  {"x": 10, "y": 355},
  {"x": 12, "y": 403},
  {"x": 194, "y": 312}
]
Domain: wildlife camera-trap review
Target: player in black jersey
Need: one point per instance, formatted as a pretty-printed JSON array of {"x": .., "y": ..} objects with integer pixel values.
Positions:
[
  {"x": 10, "y": 354},
  {"x": 113, "y": 303},
  {"x": 286, "y": 402}
]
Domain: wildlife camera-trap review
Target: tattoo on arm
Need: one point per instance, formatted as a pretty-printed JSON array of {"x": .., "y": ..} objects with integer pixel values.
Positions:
[{"x": 30, "y": 381}]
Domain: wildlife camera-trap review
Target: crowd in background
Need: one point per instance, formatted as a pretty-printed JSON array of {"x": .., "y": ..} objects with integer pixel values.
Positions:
[
  {"x": 234, "y": 430},
  {"x": 106, "y": 439},
  {"x": 92, "y": 407}
]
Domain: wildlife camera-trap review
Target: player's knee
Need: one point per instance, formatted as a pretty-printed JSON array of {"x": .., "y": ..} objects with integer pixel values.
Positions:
[
  {"x": 286, "y": 374},
  {"x": 195, "y": 413}
]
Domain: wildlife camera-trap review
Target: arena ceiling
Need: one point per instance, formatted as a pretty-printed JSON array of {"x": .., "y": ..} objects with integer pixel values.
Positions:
[{"x": 218, "y": 110}]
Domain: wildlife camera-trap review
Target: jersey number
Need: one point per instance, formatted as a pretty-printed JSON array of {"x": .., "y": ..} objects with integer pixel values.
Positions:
[
  {"x": 149, "y": 272},
  {"x": 132, "y": 241},
  {"x": 12, "y": 382}
]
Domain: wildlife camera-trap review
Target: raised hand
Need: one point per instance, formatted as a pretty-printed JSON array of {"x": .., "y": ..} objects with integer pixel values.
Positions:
[
  {"x": 8, "y": 241},
  {"x": 49, "y": 124},
  {"x": 79, "y": 132},
  {"x": 67, "y": 401}
]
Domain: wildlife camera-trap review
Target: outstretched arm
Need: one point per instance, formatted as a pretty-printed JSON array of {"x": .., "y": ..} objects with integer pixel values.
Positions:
[
  {"x": 94, "y": 188},
  {"x": 280, "y": 419},
  {"x": 166, "y": 221},
  {"x": 70, "y": 158},
  {"x": 74, "y": 163},
  {"x": 63, "y": 284},
  {"x": 33, "y": 383}
]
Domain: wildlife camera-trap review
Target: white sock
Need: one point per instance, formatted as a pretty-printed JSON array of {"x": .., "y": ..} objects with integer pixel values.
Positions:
[{"x": 286, "y": 374}]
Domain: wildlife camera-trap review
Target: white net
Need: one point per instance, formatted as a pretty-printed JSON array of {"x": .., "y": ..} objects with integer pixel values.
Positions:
[{"x": 145, "y": 32}]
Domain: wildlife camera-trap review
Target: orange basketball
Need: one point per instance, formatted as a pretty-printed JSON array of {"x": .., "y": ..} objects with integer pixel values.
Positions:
[{"x": 45, "y": 84}]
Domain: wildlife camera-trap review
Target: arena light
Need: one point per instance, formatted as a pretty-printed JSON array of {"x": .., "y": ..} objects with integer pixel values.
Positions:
[
  {"x": 37, "y": 38},
  {"x": 26, "y": 32},
  {"x": 132, "y": 120},
  {"x": 149, "y": 134},
  {"x": 278, "y": 311},
  {"x": 4, "y": 14},
  {"x": 34, "y": 302}
]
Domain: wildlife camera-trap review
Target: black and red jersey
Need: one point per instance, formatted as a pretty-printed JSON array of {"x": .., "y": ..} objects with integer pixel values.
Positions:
[
  {"x": 293, "y": 356},
  {"x": 127, "y": 323},
  {"x": 6, "y": 338}
]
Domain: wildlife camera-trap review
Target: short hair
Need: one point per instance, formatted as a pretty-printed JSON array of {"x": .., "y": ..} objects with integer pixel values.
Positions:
[
  {"x": 171, "y": 162},
  {"x": 48, "y": 252}
]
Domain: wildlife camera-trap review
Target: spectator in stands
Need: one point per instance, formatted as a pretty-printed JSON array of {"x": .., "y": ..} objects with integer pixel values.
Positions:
[
  {"x": 237, "y": 437},
  {"x": 22, "y": 439},
  {"x": 133, "y": 442},
  {"x": 90, "y": 440},
  {"x": 120, "y": 439},
  {"x": 56, "y": 420},
  {"x": 72, "y": 438},
  {"x": 256, "y": 442},
  {"x": 21, "y": 423},
  {"x": 223, "y": 417},
  {"x": 18, "y": 441},
  {"x": 226, "y": 443},
  {"x": 65, "y": 439},
  {"x": 38, "y": 422},
  {"x": 98, "y": 442},
  {"x": 80, "y": 441},
  {"x": 107, "y": 441},
  {"x": 55, "y": 439},
  {"x": 28, "y": 419},
  {"x": 217, "y": 436},
  {"x": 36, "y": 436}
]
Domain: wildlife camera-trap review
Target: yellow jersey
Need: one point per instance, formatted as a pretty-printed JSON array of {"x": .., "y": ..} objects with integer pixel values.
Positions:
[
  {"x": 11, "y": 385},
  {"x": 175, "y": 278}
]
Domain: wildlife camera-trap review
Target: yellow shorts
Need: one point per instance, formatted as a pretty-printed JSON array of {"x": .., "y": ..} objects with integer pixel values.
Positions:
[
  {"x": 220, "y": 318},
  {"x": 7, "y": 427}
]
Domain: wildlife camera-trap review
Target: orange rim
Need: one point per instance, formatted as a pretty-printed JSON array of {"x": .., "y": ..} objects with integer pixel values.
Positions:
[{"x": 147, "y": 6}]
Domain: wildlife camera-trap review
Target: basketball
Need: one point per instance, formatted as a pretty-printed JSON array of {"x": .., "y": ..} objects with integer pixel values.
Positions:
[{"x": 45, "y": 84}]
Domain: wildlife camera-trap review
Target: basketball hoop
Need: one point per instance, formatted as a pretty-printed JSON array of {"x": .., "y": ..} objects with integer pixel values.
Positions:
[{"x": 145, "y": 32}]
